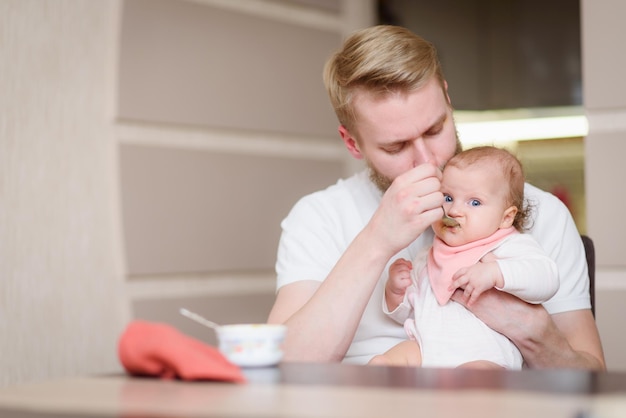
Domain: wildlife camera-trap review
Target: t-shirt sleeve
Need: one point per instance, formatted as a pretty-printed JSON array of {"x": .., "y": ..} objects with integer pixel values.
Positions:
[
  {"x": 554, "y": 228},
  {"x": 311, "y": 242},
  {"x": 528, "y": 272}
]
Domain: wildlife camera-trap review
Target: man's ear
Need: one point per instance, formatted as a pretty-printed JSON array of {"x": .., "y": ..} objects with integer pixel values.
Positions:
[
  {"x": 508, "y": 217},
  {"x": 445, "y": 90},
  {"x": 350, "y": 142}
]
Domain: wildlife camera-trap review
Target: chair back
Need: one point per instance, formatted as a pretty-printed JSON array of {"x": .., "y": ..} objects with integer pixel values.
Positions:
[{"x": 590, "y": 253}]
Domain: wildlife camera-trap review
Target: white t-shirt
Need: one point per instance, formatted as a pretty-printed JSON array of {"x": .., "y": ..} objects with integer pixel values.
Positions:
[{"x": 321, "y": 225}]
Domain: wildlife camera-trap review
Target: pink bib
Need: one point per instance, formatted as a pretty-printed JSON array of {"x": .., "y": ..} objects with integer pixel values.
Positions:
[{"x": 444, "y": 260}]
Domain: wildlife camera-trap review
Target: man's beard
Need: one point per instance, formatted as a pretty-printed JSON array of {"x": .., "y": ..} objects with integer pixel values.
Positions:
[{"x": 383, "y": 182}]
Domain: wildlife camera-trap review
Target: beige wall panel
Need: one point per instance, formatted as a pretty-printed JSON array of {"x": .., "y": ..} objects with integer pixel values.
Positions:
[
  {"x": 62, "y": 302},
  {"x": 604, "y": 178},
  {"x": 610, "y": 319},
  {"x": 187, "y": 63},
  {"x": 603, "y": 57},
  {"x": 193, "y": 211},
  {"x": 223, "y": 309},
  {"x": 328, "y": 5},
  {"x": 603, "y": 37}
]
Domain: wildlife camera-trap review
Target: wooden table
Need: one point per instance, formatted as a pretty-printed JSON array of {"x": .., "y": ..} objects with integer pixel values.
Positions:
[{"x": 330, "y": 390}]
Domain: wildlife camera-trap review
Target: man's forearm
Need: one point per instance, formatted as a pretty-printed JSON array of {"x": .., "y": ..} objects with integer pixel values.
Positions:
[
  {"x": 322, "y": 328},
  {"x": 543, "y": 345},
  {"x": 565, "y": 340}
]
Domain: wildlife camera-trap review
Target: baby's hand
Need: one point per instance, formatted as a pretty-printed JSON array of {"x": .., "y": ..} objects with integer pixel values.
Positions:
[
  {"x": 398, "y": 282},
  {"x": 476, "y": 279},
  {"x": 399, "y": 277}
]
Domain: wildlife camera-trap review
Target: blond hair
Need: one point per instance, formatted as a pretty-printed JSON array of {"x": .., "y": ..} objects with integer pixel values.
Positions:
[
  {"x": 379, "y": 59},
  {"x": 509, "y": 167}
]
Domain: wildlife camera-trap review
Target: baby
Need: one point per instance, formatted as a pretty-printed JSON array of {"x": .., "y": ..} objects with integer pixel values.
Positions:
[{"x": 483, "y": 189}]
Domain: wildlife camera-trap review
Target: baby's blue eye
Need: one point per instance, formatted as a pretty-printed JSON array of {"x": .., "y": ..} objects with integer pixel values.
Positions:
[
  {"x": 447, "y": 198},
  {"x": 475, "y": 202}
]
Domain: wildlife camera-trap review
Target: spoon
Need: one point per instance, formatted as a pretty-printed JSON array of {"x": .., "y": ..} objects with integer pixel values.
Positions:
[
  {"x": 199, "y": 319},
  {"x": 448, "y": 221}
]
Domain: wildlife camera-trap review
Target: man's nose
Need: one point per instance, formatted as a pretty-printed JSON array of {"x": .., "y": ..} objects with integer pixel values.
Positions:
[{"x": 421, "y": 153}]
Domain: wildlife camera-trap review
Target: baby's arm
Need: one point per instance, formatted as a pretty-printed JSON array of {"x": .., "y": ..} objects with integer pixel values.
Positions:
[
  {"x": 478, "y": 278},
  {"x": 398, "y": 282},
  {"x": 519, "y": 267}
]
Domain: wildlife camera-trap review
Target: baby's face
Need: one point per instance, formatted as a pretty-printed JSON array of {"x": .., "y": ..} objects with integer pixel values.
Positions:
[{"x": 476, "y": 197}]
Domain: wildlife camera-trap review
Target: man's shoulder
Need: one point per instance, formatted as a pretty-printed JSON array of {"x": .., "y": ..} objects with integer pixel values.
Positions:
[
  {"x": 542, "y": 203},
  {"x": 357, "y": 188},
  {"x": 531, "y": 191},
  {"x": 330, "y": 218},
  {"x": 550, "y": 218}
]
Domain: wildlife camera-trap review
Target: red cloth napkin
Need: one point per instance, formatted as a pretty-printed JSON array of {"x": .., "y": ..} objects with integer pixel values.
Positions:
[{"x": 159, "y": 350}]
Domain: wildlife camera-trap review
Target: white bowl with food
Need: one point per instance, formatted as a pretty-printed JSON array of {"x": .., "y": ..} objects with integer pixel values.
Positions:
[
  {"x": 247, "y": 345},
  {"x": 252, "y": 345}
]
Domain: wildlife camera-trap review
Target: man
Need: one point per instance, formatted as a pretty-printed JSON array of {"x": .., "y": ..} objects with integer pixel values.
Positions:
[{"x": 390, "y": 96}]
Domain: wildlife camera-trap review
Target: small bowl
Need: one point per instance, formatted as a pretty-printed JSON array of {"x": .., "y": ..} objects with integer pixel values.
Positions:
[{"x": 252, "y": 345}]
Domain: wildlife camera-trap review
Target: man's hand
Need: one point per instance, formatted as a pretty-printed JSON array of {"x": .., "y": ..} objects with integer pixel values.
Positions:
[
  {"x": 501, "y": 311},
  {"x": 410, "y": 205},
  {"x": 565, "y": 340}
]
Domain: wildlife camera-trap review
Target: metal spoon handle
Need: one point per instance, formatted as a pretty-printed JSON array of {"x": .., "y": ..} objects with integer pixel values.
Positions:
[
  {"x": 448, "y": 221},
  {"x": 199, "y": 319}
]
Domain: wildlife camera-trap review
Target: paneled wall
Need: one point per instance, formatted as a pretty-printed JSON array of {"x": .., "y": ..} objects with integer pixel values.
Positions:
[
  {"x": 130, "y": 132},
  {"x": 62, "y": 301},
  {"x": 605, "y": 103},
  {"x": 223, "y": 123}
]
